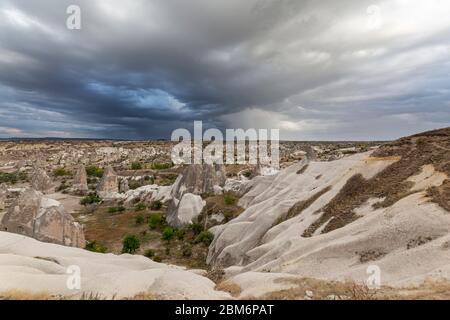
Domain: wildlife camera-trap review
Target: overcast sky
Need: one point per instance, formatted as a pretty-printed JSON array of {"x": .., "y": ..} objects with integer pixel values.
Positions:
[{"x": 317, "y": 70}]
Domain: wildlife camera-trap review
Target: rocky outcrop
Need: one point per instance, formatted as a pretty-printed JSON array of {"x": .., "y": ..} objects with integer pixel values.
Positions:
[
  {"x": 124, "y": 187},
  {"x": 3, "y": 196},
  {"x": 186, "y": 202},
  {"x": 109, "y": 184},
  {"x": 199, "y": 179},
  {"x": 44, "y": 219},
  {"x": 25, "y": 270},
  {"x": 40, "y": 181},
  {"x": 184, "y": 212},
  {"x": 80, "y": 185}
]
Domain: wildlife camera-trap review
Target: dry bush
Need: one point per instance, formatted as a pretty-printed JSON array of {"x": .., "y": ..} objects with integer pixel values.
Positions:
[
  {"x": 23, "y": 295},
  {"x": 147, "y": 296},
  {"x": 230, "y": 287}
]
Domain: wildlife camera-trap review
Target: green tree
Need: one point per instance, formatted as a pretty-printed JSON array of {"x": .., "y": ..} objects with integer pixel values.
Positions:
[{"x": 130, "y": 244}]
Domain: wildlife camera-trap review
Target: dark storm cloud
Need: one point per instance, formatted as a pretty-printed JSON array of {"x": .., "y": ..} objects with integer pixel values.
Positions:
[{"x": 139, "y": 69}]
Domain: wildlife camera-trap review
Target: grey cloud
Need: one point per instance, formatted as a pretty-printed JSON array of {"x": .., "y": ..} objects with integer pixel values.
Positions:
[{"x": 139, "y": 69}]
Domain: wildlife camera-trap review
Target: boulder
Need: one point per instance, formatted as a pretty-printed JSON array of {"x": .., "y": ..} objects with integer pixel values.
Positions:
[
  {"x": 80, "y": 181},
  {"x": 40, "y": 181},
  {"x": 183, "y": 212},
  {"x": 44, "y": 219},
  {"x": 109, "y": 184}
]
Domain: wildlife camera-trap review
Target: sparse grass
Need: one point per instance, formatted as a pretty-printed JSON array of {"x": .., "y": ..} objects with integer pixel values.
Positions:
[
  {"x": 90, "y": 199},
  {"x": 161, "y": 166},
  {"x": 229, "y": 199},
  {"x": 140, "y": 206},
  {"x": 116, "y": 210},
  {"x": 12, "y": 178},
  {"x": 133, "y": 184},
  {"x": 156, "y": 220},
  {"x": 197, "y": 228},
  {"x": 168, "y": 234},
  {"x": 23, "y": 295},
  {"x": 205, "y": 237},
  {"x": 61, "y": 172},
  {"x": 230, "y": 287},
  {"x": 95, "y": 247},
  {"x": 139, "y": 219},
  {"x": 149, "y": 253},
  {"x": 248, "y": 174},
  {"x": 136, "y": 166},
  {"x": 300, "y": 206},
  {"x": 156, "y": 205},
  {"x": 94, "y": 171}
]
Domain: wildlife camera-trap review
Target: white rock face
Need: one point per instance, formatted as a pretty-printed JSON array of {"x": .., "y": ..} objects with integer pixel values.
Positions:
[
  {"x": 108, "y": 186},
  {"x": 406, "y": 241},
  {"x": 43, "y": 219},
  {"x": 3, "y": 196},
  {"x": 183, "y": 212},
  {"x": 80, "y": 181},
  {"x": 104, "y": 275},
  {"x": 40, "y": 181},
  {"x": 199, "y": 179}
]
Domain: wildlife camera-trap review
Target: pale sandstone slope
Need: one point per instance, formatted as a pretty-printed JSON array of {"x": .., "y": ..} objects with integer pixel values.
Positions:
[
  {"x": 34, "y": 267},
  {"x": 409, "y": 240}
]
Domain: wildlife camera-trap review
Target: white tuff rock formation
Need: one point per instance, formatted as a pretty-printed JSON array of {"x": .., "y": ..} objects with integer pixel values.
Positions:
[
  {"x": 108, "y": 185},
  {"x": 413, "y": 233},
  {"x": 186, "y": 203},
  {"x": 80, "y": 181},
  {"x": 31, "y": 266},
  {"x": 44, "y": 219},
  {"x": 183, "y": 212},
  {"x": 40, "y": 181}
]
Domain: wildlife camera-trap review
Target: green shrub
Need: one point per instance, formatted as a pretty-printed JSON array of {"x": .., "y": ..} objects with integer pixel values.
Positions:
[
  {"x": 94, "y": 171},
  {"x": 205, "y": 237},
  {"x": 186, "y": 250},
  {"x": 161, "y": 166},
  {"x": 169, "y": 180},
  {"x": 180, "y": 233},
  {"x": 130, "y": 244},
  {"x": 168, "y": 234},
  {"x": 229, "y": 199},
  {"x": 61, "y": 172},
  {"x": 139, "y": 219},
  {"x": 136, "y": 166},
  {"x": 157, "y": 259},
  {"x": 197, "y": 228},
  {"x": 140, "y": 206},
  {"x": 155, "y": 220},
  {"x": 149, "y": 253},
  {"x": 119, "y": 209},
  {"x": 247, "y": 173},
  {"x": 95, "y": 247},
  {"x": 149, "y": 180},
  {"x": 90, "y": 199},
  {"x": 133, "y": 185},
  {"x": 156, "y": 205},
  {"x": 12, "y": 177}
]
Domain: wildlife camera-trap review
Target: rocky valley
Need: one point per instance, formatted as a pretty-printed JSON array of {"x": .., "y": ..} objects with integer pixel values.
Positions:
[{"x": 137, "y": 226}]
